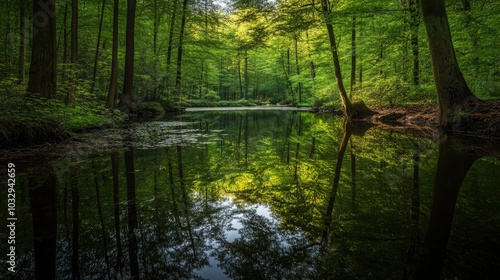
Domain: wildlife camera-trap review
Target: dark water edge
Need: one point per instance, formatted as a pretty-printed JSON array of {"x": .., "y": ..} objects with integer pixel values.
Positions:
[{"x": 257, "y": 195}]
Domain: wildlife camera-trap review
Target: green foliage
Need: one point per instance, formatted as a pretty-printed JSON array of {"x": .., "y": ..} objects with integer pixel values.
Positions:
[
  {"x": 40, "y": 116},
  {"x": 389, "y": 91}
]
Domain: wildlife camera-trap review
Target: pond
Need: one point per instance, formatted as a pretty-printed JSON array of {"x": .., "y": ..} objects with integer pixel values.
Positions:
[{"x": 255, "y": 194}]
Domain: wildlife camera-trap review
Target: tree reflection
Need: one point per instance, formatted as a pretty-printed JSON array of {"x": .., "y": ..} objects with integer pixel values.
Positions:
[
  {"x": 456, "y": 156},
  {"x": 43, "y": 199}
]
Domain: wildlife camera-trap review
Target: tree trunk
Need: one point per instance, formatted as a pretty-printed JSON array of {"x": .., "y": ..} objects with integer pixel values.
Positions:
[
  {"x": 353, "y": 56},
  {"x": 247, "y": 82},
  {"x": 453, "y": 92},
  {"x": 65, "y": 39},
  {"x": 156, "y": 24},
  {"x": 96, "y": 56},
  {"x": 22, "y": 41},
  {"x": 414, "y": 24},
  {"x": 239, "y": 78},
  {"x": 70, "y": 97},
  {"x": 127, "y": 94},
  {"x": 297, "y": 68},
  {"x": 338, "y": 75},
  {"x": 178, "y": 76},
  {"x": 113, "y": 84},
  {"x": 43, "y": 71},
  {"x": 171, "y": 35}
]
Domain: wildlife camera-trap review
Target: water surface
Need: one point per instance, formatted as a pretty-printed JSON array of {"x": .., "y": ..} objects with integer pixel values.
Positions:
[{"x": 256, "y": 195}]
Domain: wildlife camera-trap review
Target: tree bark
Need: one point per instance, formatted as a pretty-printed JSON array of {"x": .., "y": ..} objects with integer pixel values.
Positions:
[
  {"x": 247, "y": 81},
  {"x": 43, "y": 71},
  {"x": 297, "y": 68},
  {"x": 353, "y": 55},
  {"x": 178, "y": 76},
  {"x": 338, "y": 75},
  {"x": 96, "y": 56},
  {"x": 70, "y": 97},
  {"x": 414, "y": 24},
  {"x": 22, "y": 41},
  {"x": 171, "y": 35},
  {"x": 453, "y": 92},
  {"x": 128, "y": 83},
  {"x": 113, "y": 84}
]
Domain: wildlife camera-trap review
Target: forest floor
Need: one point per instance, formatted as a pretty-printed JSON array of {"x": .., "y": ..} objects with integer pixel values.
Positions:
[{"x": 423, "y": 120}]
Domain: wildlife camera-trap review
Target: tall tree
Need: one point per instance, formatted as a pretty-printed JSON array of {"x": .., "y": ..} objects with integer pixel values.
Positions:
[
  {"x": 453, "y": 92},
  {"x": 43, "y": 71},
  {"x": 414, "y": 24},
  {"x": 127, "y": 94},
  {"x": 113, "y": 84},
  {"x": 333, "y": 46},
  {"x": 22, "y": 41},
  {"x": 178, "y": 76},
  {"x": 70, "y": 97},
  {"x": 96, "y": 56}
]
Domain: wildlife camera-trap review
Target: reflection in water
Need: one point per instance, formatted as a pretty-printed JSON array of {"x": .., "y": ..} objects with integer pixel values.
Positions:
[
  {"x": 454, "y": 161},
  {"x": 262, "y": 195},
  {"x": 131, "y": 213},
  {"x": 43, "y": 200}
]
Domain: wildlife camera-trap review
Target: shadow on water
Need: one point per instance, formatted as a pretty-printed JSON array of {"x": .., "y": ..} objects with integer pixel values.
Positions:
[
  {"x": 456, "y": 156},
  {"x": 263, "y": 195}
]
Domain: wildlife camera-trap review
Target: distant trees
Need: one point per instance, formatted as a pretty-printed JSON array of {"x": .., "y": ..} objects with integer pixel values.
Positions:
[{"x": 263, "y": 52}]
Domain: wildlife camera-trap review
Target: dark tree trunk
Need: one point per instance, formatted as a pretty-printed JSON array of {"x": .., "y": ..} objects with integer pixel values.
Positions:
[
  {"x": 113, "y": 84},
  {"x": 353, "y": 56},
  {"x": 96, "y": 55},
  {"x": 171, "y": 35},
  {"x": 338, "y": 75},
  {"x": 22, "y": 41},
  {"x": 70, "y": 97},
  {"x": 128, "y": 83},
  {"x": 178, "y": 76},
  {"x": 453, "y": 92},
  {"x": 414, "y": 24},
  {"x": 43, "y": 70},
  {"x": 297, "y": 68},
  {"x": 239, "y": 78},
  {"x": 247, "y": 81},
  {"x": 65, "y": 38}
]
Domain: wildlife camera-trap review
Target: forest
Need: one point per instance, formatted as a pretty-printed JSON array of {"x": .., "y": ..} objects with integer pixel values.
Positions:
[
  {"x": 250, "y": 139},
  {"x": 146, "y": 56}
]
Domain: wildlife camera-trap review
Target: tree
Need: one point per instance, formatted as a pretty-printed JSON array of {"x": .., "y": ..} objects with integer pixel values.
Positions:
[
  {"x": 22, "y": 41},
  {"x": 70, "y": 98},
  {"x": 113, "y": 84},
  {"x": 178, "y": 76},
  {"x": 43, "y": 69},
  {"x": 127, "y": 95},
  {"x": 454, "y": 94}
]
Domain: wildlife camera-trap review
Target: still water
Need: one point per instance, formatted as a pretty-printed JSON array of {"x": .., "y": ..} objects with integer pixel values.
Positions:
[{"x": 256, "y": 195}]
